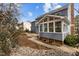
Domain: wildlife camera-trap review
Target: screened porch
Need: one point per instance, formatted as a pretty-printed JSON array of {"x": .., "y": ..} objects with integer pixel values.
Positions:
[{"x": 53, "y": 27}]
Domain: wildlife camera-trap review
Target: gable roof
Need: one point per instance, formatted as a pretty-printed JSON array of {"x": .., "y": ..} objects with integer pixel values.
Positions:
[
  {"x": 64, "y": 18},
  {"x": 61, "y": 17},
  {"x": 53, "y": 11}
]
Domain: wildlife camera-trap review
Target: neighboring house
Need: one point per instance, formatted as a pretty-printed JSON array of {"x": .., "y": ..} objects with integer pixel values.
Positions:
[
  {"x": 20, "y": 26},
  {"x": 33, "y": 27},
  {"x": 27, "y": 26},
  {"x": 24, "y": 26},
  {"x": 56, "y": 24}
]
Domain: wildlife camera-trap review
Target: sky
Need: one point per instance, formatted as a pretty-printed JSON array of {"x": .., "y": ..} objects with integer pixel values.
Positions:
[{"x": 30, "y": 11}]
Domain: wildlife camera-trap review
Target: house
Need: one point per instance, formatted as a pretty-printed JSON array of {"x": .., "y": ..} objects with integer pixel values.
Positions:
[
  {"x": 33, "y": 27},
  {"x": 56, "y": 24},
  {"x": 27, "y": 26},
  {"x": 20, "y": 26}
]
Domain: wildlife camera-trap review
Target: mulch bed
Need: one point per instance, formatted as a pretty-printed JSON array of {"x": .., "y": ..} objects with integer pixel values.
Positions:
[{"x": 23, "y": 41}]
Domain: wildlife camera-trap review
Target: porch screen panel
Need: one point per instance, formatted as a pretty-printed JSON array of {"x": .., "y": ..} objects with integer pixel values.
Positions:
[
  {"x": 58, "y": 26},
  {"x": 41, "y": 29},
  {"x": 45, "y": 27},
  {"x": 45, "y": 20},
  {"x": 51, "y": 27}
]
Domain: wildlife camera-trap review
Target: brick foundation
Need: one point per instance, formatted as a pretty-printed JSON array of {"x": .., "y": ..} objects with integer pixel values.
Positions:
[{"x": 51, "y": 41}]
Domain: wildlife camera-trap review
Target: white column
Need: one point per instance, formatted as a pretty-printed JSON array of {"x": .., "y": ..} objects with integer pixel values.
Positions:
[
  {"x": 43, "y": 27},
  {"x": 48, "y": 24},
  {"x": 62, "y": 30},
  {"x": 54, "y": 26},
  {"x": 39, "y": 27}
]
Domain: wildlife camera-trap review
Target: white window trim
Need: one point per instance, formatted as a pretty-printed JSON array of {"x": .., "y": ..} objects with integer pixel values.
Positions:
[
  {"x": 54, "y": 20},
  {"x": 47, "y": 27},
  {"x": 39, "y": 27},
  {"x": 53, "y": 26},
  {"x": 61, "y": 27}
]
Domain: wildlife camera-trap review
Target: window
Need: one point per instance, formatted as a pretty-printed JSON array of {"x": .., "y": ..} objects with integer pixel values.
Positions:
[
  {"x": 51, "y": 18},
  {"x": 41, "y": 21},
  {"x": 45, "y": 27},
  {"x": 51, "y": 27},
  {"x": 41, "y": 28},
  {"x": 57, "y": 18},
  {"x": 37, "y": 28},
  {"x": 45, "y": 20},
  {"x": 58, "y": 26}
]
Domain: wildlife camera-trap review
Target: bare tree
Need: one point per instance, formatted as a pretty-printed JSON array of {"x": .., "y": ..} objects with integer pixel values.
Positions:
[
  {"x": 8, "y": 21},
  {"x": 77, "y": 21}
]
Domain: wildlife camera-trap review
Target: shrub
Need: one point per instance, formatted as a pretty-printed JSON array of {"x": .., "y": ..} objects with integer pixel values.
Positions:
[
  {"x": 7, "y": 41},
  {"x": 13, "y": 39},
  {"x": 4, "y": 42},
  {"x": 71, "y": 40},
  {"x": 77, "y": 39}
]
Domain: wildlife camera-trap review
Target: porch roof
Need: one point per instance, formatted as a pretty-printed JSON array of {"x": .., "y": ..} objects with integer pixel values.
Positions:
[{"x": 55, "y": 16}]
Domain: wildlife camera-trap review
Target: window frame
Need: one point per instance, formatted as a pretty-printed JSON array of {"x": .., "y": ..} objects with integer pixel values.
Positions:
[
  {"x": 52, "y": 27},
  {"x": 41, "y": 27},
  {"x": 58, "y": 27},
  {"x": 46, "y": 27}
]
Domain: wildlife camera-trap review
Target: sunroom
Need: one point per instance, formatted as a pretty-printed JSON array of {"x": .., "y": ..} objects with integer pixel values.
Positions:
[{"x": 53, "y": 27}]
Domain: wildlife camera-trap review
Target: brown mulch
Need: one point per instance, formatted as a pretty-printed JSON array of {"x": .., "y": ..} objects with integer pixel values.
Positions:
[{"x": 23, "y": 41}]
